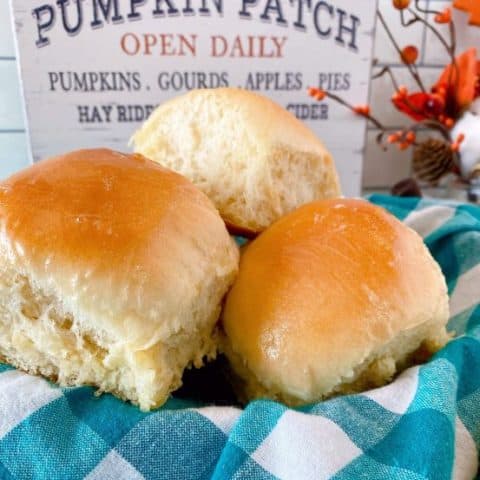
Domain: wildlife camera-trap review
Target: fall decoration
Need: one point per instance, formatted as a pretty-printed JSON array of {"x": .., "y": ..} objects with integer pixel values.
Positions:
[
  {"x": 467, "y": 128},
  {"x": 437, "y": 108},
  {"x": 472, "y": 7},
  {"x": 432, "y": 159},
  {"x": 409, "y": 54},
  {"x": 362, "y": 109},
  {"x": 444, "y": 17},
  {"x": 401, "y": 4},
  {"x": 317, "y": 93}
]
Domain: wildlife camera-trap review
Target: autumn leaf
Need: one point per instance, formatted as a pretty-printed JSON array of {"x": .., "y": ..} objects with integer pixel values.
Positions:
[
  {"x": 472, "y": 7},
  {"x": 459, "y": 82},
  {"x": 418, "y": 106}
]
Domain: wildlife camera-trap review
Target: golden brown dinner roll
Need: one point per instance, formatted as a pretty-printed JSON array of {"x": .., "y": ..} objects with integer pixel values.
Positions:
[
  {"x": 112, "y": 273},
  {"x": 254, "y": 159},
  {"x": 333, "y": 298}
]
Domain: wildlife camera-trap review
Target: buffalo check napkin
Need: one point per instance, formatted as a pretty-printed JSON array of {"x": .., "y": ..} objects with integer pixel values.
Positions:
[{"x": 425, "y": 425}]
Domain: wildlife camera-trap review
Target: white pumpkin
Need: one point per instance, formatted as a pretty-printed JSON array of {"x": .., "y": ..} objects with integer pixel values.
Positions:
[{"x": 469, "y": 125}]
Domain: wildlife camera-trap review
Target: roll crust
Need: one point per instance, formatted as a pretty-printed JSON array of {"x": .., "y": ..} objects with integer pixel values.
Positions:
[
  {"x": 124, "y": 261},
  {"x": 334, "y": 297}
]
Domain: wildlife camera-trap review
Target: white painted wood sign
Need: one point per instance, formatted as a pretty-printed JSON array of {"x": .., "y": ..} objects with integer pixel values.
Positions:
[{"x": 93, "y": 70}]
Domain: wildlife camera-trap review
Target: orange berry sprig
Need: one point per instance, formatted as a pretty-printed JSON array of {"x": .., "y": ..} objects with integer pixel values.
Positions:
[
  {"x": 409, "y": 54},
  {"x": 400, "y": 94},
  {"x": 318, "y": 93},
  {"x": 314, "y": 92},
  {"x": 410, "y": 64},
  {"x": 395, "y": 137},
  {"x": 410, "y": 137},
  {"x": 444, "y": 17},
  {"x": 403, "y": 138},
  {"x": 428, "y": 16},
  {"x": 401, "y": 4},
  {"x": 362, "y": 110},
  {"x": 447, "y": 121}
]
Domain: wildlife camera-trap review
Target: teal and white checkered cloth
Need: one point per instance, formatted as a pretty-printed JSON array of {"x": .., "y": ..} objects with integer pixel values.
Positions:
[{"x": 425, "y": 425}]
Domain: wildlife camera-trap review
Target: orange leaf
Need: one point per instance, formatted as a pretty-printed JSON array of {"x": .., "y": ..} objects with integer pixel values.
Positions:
[
  {"x": 470, "y": 6},
  {"x": 460, "y": 81},
  {"x": 413, "y": 105},
  {"x": 477, "y": 87}
]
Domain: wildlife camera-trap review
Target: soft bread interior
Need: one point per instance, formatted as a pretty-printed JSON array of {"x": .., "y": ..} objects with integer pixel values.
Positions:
[
  {"x": 39, "y": 335},
  {"x": 254, "y": 160}
]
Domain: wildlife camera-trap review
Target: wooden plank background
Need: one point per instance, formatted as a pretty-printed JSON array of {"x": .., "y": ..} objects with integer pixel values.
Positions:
[{"x": 13, "y": 142}]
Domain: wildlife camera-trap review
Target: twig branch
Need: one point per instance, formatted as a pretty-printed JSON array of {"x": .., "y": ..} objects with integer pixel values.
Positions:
[
  {"x": 426, "y": 11},
  {"x": 406, "y": 100},
  {"x": 412, "y": 71},
  {"x": 387, "y": 70},
  {"x": 433, "y": 125},
  {"x": 449, "y": 47},
  {"x": 441, "y": 38},
  {"x": 384, "y": 129},
  {"x": 343, "y": 102}
]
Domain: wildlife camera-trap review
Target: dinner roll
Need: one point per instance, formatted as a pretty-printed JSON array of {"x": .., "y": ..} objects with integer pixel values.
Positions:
[
  {"x": 335, "y": 297},
  {"x": 254, "y": 159},
  {"x": 112, "y": 273}
]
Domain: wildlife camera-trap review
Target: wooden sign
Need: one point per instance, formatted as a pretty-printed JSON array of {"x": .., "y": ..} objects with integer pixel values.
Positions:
[{"x": 93, "y": 70}]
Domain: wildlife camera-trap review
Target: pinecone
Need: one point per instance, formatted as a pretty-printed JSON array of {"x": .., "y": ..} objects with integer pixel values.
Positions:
[{"x": 432, "y": 160}]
